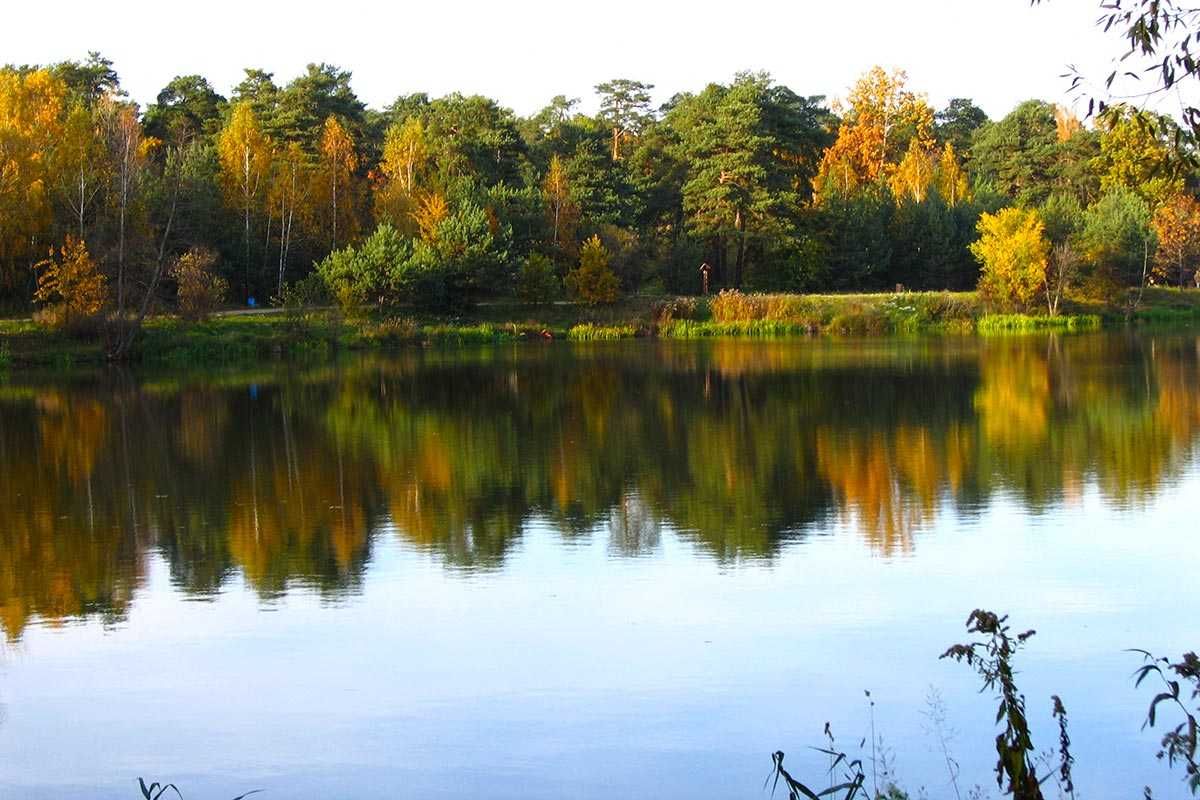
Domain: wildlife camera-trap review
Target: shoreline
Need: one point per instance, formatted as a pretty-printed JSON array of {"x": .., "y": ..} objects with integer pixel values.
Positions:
[{"x": 237, "y": 336}]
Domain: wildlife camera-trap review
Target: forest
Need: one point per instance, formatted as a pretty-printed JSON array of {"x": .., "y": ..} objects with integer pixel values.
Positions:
[{"x": 299, "y": 190}]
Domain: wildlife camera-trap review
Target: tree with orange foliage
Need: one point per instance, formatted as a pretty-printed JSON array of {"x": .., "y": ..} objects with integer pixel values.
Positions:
[
  {"x": 31, "y": 107},
  {"x": 1176, "y": 223},
  {"x": 430, "y": 213},
  {"x": 71, "y": 288},
  {"x": 561, "y": 209},
  {"x": 882, "y": 120}
]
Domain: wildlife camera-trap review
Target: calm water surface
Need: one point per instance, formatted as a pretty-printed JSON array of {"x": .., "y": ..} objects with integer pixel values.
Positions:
[{"x": 610, "y": 571}]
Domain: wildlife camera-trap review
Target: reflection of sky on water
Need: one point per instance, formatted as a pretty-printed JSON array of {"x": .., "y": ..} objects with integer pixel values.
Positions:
[{"x": 571, "y": 672}]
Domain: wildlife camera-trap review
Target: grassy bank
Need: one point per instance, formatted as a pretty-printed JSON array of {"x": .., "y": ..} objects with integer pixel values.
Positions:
[{"x": 319, "y": 334}]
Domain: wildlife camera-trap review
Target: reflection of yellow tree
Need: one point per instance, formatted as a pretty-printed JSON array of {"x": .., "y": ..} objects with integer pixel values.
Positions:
[
  {"x": 889, "y": 484},
  {"x": 1013, "y": 400},
  {"x": 201, "y": 426},
  {"x": 73, "y": 429},
  {"x": 303, "y": 520},
  {"x": 64, "y": 551}
]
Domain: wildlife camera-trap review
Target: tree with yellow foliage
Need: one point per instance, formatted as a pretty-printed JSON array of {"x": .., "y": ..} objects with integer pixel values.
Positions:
[
  {"x": 1136, "y": 153},
  {"x": 1176, "y": 224},
  {"x": 338, "y": 163},
  {"x": 593, "y": 281},
  {"x": 431, "y": 211},
  {"x": 31, "y": 106},
  {"x": 287, "y": 196},
  {"x": 405, "y": 159},
  {"x": 914, "y": 174},
  {"x": 1014, "y": 253},
  {"x": 561, "y": 209},
  {"x": 882, "y": 120},
  {"x": 71, "y": 288},
  {"x": 405, "y": 153},
  {"x": 245, "y": 156},
  {"x": 950, "y": 179}
]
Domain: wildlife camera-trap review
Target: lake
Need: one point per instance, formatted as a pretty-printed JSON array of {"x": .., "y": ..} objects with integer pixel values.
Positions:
[{"x": 618, "y": 570}]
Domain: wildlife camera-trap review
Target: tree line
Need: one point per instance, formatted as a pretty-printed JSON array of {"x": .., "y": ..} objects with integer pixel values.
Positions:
[{"x": 301, "y": 190}]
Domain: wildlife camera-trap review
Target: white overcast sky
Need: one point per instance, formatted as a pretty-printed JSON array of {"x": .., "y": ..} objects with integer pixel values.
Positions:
[{"x": 522, "y": 52}]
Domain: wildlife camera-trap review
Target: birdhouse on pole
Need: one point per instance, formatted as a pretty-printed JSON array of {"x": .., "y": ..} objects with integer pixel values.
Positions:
[{"x": 705, "y": 272}]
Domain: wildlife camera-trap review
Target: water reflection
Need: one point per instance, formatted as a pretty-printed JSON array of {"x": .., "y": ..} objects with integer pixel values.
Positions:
[{"x": 286, "y": 478}]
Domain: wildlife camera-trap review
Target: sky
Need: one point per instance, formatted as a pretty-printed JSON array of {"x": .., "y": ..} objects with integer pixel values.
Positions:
[{"x": 523, "y": 52}]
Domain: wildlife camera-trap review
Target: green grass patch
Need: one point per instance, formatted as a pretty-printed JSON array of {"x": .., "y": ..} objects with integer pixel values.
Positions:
[
  {"x": 758, "y": 329},
  {"x": 589, "y": 332},
  {"x": 1167, "y": 315},
  {"x": 1002, "y": 324}
]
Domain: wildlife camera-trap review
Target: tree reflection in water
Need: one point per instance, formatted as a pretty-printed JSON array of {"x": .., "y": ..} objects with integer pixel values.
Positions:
[{"x": 287, "y": 478}]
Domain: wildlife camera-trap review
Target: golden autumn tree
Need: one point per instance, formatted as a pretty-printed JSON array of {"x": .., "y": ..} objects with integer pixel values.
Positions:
[
  {"x": 71, "y": 287},
  {"x": 1176, "y": 224},
  {"x": 1013, "y": 250},
  {"x": 950, "y": 179},
  {"x": 914, "y": 174},
  {"x": 31, "y": 110},
  {"x": 338, "y": 163},
  {"x": 405, "y": 153},
  {"x": 245, "y": 155},
  {"x": 405, "y": 159},
  {"x": 561, "y": 210},
  {"x": 882, "y": 118},
  {"x": 431, "y": 210},
  {"x": 288, "y": 197},
  {"x": 1066, "y": 124}
]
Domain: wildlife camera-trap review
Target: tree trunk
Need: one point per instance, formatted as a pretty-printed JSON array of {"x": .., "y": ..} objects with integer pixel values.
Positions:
[
  {"x": 740, "y": 263},
  {"x": 335, "y": 183}
]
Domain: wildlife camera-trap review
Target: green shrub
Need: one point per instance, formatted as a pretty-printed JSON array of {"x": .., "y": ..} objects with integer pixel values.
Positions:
[
  {"x": 199, "y": 289},
  {"x": 537, "y": 281},
  {"x": 593, "y": 281}
]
